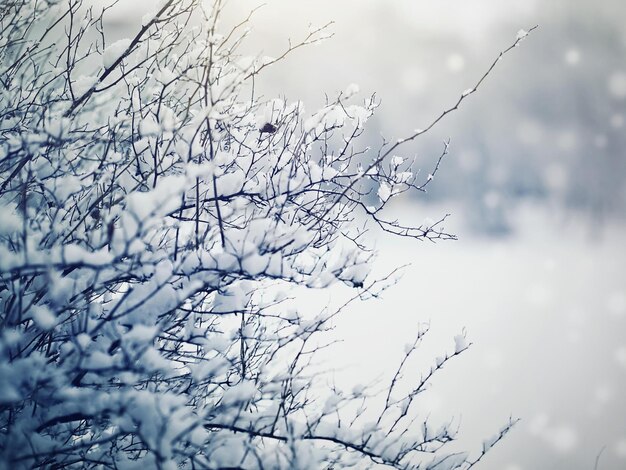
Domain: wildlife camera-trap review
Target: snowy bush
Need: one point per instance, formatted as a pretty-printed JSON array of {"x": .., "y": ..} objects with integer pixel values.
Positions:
[{"x": 154, "y": 215}]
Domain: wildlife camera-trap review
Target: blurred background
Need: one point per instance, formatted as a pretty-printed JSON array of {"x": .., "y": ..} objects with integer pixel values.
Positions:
[{"x": 536, "y": 185}]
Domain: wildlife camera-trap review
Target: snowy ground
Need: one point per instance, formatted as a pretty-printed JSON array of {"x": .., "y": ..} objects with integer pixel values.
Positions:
[{"x": 546, "y": 312}]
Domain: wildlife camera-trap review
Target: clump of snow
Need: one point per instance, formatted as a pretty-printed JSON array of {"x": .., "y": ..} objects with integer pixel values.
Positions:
[
  {"x": 166, "y": 75},
  {"x": 404, "y": 177},
  {"x": 57, "y": 127},
  {"x": 114, "y": 52},
  {"x": 141, "y": 333},
  {"x": 241, "y": 392},
  {"x": 83, "y": 340},
  {"x": 43, "y": 317},
  {"x": 84, "y": 83},
  {"x": 384, "y": 192},
  {"x": 358, "y": 390},
  {"x": 396, "y": 160},
  {"x": 356, "y": 274},
  {"x": 460, "y": 344},
  {"x": 149, "y": 126}
]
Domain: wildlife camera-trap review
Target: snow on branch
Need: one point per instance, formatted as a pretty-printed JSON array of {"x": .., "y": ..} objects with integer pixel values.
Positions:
[{"x": 156, "y": 216}]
